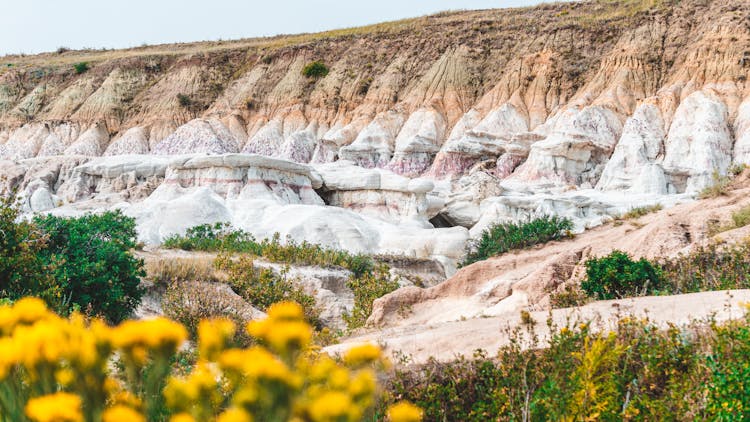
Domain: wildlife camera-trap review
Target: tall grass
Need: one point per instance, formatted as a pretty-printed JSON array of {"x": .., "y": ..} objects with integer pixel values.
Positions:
[{"x": 504, "y": 237}]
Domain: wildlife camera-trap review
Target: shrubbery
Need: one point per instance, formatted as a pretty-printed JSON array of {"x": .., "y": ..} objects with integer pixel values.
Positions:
[
  {"x": 367, "y": 288},
  {"x": 81, "y": 263},
  {"x": 81, "y": 67},
  {"x": 638, "y": 372},
  {"x": 504, "y": 237},
  {"x": 262, "y": 287},
  {"x": 222, "y": 237},
  {"x": 616, "y": 276},
  {"x": 315, "y": 70}
]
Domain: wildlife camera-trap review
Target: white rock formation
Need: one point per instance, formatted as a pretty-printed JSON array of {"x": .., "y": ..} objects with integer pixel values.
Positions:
[
  {"x": 418, "y": 142},
  {"x": 575, "y": 151},
  {"x": 196, "y": 137},
  {"x": 374, "y": 145},
  {"x": 698, "y": 143},
  {"x": 633, "y": 166},
  {"x": 133, "y": 141}
]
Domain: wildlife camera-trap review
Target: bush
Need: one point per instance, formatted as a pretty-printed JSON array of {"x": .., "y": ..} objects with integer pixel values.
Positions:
[
  {"x": 179, "y": 270},
  {"x": 315, "y": 70},
  {"x": 23, "y": 271},
  {"x": 81, "y": 67},
  {"x": 93, "y": 264},
  {"x": 616, "y": 276},
  {"x": 71, "y": 375},
  {"x": 504, "y": 237},
  {"x": 184, "y": 101}
]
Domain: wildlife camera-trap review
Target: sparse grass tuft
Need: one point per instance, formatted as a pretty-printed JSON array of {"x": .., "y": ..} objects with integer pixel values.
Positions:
[
  {"x": 720, "y": 187},
  {"x": 176, "y": 270},
  {"x": 638, "y": 212}
]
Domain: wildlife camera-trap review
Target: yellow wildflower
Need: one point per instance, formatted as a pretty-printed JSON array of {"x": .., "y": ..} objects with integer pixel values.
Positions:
[
  {"x": 332, "y": 406},
  {"x": 404, "y": 412},
  {"x": 200, "y": 385},
  {"x": 282, "y": 336},
  {"x": 286, "y": 311},
  {"x": 363, "y": 384},
  {"x": 182, "y": 417},
  {"x": 119, "y": 413},
  {"x": 258, "y": 363},
  {"x": 64, "y": 376},
  {"x": 213, "y": 336},
  {"x": 138, "y": 337},
  {"x": 234, "y": 415},
  {"x": 362, "y": 355},
  {"x": 58, "y": 407}
]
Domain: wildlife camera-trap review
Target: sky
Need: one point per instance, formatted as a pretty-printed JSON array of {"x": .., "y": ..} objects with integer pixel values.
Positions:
[{"x": 34, "y": 26}]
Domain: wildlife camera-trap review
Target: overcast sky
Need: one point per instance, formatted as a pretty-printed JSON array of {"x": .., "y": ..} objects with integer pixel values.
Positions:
[{"x": 33, "y": 26}]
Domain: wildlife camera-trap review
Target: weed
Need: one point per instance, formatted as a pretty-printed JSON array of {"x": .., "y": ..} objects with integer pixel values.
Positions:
[
  {"x": 638, "y": 212},
  {"x": 81, "y": 67}
]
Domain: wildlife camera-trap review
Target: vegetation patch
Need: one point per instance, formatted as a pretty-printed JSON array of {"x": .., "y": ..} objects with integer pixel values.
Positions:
[
  {"x": 504, "y": 237},
  {"x": 616, "y": 276},
  {"x": 79, "y": 370},
  {"x": 315, "y": 70},
  {"x": 367, "y": 288},
  {"x": 639, "y": 212},
  {"x": 719, "y": 187},
  {"x": 81, "y": 67},
  {"x": 83, "y": 263},
  {"x": 636, "y": 372}
]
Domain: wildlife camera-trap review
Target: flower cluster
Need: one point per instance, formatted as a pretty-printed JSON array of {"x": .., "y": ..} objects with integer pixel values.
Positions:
[{"x": 62, "y": 370}]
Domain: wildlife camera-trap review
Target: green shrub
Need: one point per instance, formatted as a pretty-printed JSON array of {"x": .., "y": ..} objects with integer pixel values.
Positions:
[
  {"x": 23, "y": 271},
  {"x": 81, "y": 67},
  {"x": 504, "y": 237},
  {"x": 315, "y": 70},
  {"x": 616, "y": 276},
  {"x": 367, "y": 288},
  {"x": 184, "y": 100},
  {"x": 93, "y": 263}
]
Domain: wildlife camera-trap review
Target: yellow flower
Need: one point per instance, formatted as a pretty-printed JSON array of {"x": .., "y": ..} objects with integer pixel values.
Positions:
[
  {"x": 58, "y": 407},
  {"x": 404, "y": 412},
  {"x": 139, "y": 337},
  {"x": 119, "y": 413},
  {"x": 362, "y": 355},
  {"x": 258, "y": 363},
  {"x": 182, "y": 417},
  {"x": 234, "y": 415},
  {"x": 363, "y": 384},
  {"x": 199, "y": 386},
  {"x": 282, "y": 336},
  {"x": 286, "y": 311},
  {"x": 65, "y": 376},
  {"x": 332, "y": 406},
  {"x": 213, "y": 336}
]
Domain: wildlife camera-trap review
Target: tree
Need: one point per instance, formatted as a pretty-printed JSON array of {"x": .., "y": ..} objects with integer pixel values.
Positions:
[{"x": 95, "y": 266}]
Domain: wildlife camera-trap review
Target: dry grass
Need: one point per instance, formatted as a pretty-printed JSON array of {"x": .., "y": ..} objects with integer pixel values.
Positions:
[{"x": 166, "y": 271}]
